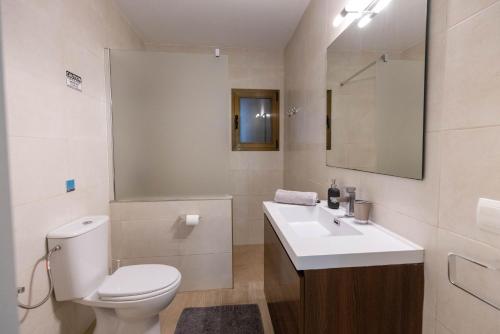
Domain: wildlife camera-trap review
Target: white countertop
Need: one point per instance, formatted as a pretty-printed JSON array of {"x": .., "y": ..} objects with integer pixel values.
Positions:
[{"x": 349, "y": 244}]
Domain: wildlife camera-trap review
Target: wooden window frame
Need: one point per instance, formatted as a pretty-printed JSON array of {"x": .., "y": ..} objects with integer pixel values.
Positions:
[
  {"x": 329, "y": 120},
  {"x": 236, "y": 95}
]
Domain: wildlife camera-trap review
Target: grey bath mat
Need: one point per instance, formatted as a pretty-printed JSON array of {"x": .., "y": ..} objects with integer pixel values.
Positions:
[{"x": 228, "y": 319}]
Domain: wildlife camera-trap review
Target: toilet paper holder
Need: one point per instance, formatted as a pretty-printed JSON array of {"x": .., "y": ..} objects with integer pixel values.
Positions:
[{"x": 456, "y": 284}]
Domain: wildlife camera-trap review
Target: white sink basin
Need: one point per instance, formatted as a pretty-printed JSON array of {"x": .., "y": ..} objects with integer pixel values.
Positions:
[
  {"x": 310, "y": 229},
  {"x": 313, "y": 240},
  {"x": 310, "y": 222},
  {"x": 314, "y": 229}
]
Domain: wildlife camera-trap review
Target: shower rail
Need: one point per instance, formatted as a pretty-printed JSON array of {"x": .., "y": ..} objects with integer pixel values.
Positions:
[{"x": 382, "y": 57}]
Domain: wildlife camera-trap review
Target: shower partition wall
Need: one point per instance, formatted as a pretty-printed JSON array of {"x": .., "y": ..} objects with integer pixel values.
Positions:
[
  {"x": 171, "y": 144},
  {"x": 170, "y": 124}
]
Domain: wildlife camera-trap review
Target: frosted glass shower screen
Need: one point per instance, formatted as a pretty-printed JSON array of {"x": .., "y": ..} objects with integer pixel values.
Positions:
[{"x": 170, "y": 124}]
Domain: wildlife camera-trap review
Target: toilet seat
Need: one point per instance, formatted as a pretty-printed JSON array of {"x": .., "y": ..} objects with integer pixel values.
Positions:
[
  {"x": 138, "y": 282},
  {"x": 136, "y": 297}
]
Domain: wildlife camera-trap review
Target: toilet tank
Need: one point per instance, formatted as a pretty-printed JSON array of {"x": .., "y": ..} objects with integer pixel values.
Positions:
[{"x": 82, "y": 263}]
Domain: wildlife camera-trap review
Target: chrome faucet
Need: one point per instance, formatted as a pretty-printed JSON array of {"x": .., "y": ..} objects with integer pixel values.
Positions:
[{"x": 349, "y": 199}]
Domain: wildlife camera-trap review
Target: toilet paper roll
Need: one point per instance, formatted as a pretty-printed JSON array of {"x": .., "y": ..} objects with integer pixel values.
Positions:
[
  {"x": 488, "y": 215},
  {"x": 192, "y": 219}
]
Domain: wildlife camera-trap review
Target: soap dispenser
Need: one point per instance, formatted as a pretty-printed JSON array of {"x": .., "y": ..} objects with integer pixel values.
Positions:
[{"x": 333, "y": 196}]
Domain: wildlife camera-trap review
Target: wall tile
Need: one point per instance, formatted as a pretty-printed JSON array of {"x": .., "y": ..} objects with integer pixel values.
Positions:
[
  {"x": 240, "y": 182},
  {"x": 462, "y": 94},
  {"x": 255, "y": 175},
  {"x": 85, "y": 117},
  {"x": 435, "y": 81},
  {"x": 39, "y": 168},
  {"x": 35, "y": 107},
  {"x": 469, "y": 171},
  {"x": 472, "y": 67},
  {"x": 37, "y": 38},
  {"x": 56, "y": 133},
  {"x": 461, "y": 10},
  {"x": 32, "y": 223},
  {"x": 457, "y": 310},
  {"x": 417, "y": 199},
  {"x": 116, "y": 238},
  {"x": 439, "y": 16},
  {"x": 148, "y": 239},
  {"x": 440, "y": 329},
  {"x": 169, "y": 210},
  {"x": 89, "y": 66},
  {"x": 84, "y": 24},
  {"x": 90, "y": 201},
  {"x": 206, "y": 271},
  {"x": 199, "y": 272},
  {"x": 150, "y": 231}
]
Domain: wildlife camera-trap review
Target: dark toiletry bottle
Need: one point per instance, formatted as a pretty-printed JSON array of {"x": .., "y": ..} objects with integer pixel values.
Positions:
[{"x": 333, "y": 196}]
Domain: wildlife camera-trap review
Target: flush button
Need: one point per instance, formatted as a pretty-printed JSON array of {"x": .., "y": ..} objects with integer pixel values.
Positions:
[{"x": 87, "y": 222}]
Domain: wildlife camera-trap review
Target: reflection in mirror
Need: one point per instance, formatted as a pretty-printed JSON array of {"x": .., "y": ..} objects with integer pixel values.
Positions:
[
  {"x": 328, "y": 119},
  {"x": 375, "y": 93}
]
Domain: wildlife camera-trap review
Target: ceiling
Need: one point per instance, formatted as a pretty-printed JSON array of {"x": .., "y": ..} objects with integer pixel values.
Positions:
[{"x": 223, "y": 23}]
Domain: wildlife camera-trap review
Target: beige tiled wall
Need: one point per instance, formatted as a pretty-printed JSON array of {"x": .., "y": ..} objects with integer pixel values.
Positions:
[
  {"x": 155, "y": 232},
  {"x": 462, "y": 158},
  {"x": 56, "y": 133},
  {"x": 254, "y": 176}
]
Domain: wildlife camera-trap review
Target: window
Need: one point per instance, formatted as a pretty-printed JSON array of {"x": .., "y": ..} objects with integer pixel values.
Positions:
[{"x": 255, "y": 115}]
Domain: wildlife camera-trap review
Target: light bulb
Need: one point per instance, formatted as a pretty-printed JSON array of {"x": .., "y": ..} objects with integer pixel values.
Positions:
[
  {"x": 364, "y": 21},
  {"x": 338, "y": 20}
]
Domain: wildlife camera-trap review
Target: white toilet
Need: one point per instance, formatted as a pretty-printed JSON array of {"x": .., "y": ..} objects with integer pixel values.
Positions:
[{"x": 125, "y": 302}]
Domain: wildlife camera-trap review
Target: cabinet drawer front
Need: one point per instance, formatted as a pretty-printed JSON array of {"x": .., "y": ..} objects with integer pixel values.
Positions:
[
  {"x": 283, "y": 285},
  {"x": 365, "y": 300}
]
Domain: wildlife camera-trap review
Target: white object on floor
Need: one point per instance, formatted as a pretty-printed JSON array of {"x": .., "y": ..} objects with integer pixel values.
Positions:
[
  {"x": 488, "y": 215},
  {"x": 126, "y": 302},
  {"x": 192, "y": 219},
  {"x": 320, "y": 238},
  {"x": 295, "y": 197}
]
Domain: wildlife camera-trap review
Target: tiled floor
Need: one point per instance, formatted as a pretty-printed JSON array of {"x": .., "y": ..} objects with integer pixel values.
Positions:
[{"x": 248, "y": 270}]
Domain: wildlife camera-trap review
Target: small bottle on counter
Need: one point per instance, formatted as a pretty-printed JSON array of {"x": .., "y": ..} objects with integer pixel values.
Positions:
[{"x": 333, "y": 196}]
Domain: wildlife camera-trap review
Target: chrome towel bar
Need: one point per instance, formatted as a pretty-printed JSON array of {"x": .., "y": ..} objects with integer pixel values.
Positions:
[{"x": 483, "y": 265}]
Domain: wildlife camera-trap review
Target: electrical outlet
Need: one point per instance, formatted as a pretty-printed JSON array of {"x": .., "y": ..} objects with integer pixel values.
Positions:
[{"x": 70, "y": 185}]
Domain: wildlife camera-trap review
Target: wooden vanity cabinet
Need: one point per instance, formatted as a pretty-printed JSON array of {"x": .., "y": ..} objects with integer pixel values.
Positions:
[{"x": 358, "y": 300}]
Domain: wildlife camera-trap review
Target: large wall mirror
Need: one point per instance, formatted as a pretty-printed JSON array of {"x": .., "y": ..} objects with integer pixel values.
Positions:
[{"x": 376, "y": 91}]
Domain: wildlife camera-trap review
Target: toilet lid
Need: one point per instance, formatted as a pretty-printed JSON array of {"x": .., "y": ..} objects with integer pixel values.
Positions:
[{"x": 138, "y": 280}]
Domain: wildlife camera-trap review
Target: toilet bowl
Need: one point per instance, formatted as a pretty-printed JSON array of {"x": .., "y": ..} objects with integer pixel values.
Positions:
[
  {"x": 126, "y": 302},
  {"x": 129, "y": 300}
]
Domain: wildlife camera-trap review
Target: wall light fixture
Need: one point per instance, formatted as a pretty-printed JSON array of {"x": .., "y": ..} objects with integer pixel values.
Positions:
[{"x": 362, "y": 10}]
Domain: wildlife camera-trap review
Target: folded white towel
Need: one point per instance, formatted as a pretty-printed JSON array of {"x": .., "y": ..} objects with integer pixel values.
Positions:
[{"x": 295, "y": 197}]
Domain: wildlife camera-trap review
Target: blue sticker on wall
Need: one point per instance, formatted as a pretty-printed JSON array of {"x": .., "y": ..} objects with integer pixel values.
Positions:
[{"x": 70, "y": 185}]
